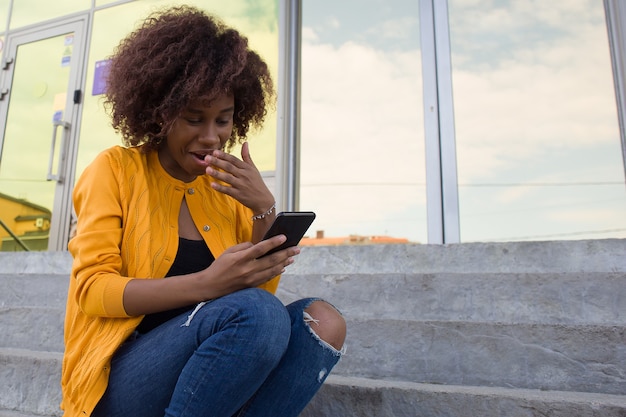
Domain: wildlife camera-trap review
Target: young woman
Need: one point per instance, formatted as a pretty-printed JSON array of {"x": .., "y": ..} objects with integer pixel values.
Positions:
[{"x": 171, "y": 309}]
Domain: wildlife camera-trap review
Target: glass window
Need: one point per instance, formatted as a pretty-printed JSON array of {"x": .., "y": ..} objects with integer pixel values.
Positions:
[
  {"x": 258, "y": 23},
  {"x": 28, "y": 12},
  {"x": 100, "y": 3},
  {"x": 4, "y": 10},
  {"x": 537, "y": 132},
  {"x": 41, "y": 72},
  {"x": 362, "y": 151}
]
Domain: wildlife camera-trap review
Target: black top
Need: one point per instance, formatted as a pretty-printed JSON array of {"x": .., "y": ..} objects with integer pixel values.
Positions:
[{"x": 192, "y": 256}]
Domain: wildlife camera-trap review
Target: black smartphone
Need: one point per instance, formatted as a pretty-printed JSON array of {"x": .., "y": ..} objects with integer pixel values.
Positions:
[{"x": 292, "y": 224}]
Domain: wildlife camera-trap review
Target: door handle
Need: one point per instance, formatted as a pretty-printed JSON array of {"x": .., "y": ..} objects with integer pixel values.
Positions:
[{"x": 61, "y": 166}]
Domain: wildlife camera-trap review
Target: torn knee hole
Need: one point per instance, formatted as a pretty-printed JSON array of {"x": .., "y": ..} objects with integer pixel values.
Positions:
[{"x": 326, "y": 331}]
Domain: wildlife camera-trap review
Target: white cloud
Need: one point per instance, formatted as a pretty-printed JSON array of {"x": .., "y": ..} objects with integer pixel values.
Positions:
[
  {"x": 362, "y": 134},
  {"x": 556, "y": 95},
  {"x": 309, "y": 35},
  {"x": 362, "y": 108}
]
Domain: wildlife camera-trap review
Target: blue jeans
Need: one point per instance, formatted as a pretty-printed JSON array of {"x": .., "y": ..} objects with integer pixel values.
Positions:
[{"x": 244, "y": 354}]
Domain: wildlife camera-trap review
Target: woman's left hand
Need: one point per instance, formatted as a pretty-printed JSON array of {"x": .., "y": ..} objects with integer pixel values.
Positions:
[{"x": 240, "y": 179}]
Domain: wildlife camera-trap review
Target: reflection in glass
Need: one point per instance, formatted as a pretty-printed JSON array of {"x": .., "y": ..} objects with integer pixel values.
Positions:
[
  {"x": 536, "y": 127},
  {"x": 28, "y": 12},
  {"x": 100, "y": 3},
  {"x": 362, "y": 163},
  {"x": 37, "y": 98},
  {"x": 258, "y": 23},
  {"x": 4, "y": 10}
]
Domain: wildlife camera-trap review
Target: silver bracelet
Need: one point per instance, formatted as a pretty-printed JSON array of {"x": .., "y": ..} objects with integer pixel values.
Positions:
[{"x": 264, "y": 215}]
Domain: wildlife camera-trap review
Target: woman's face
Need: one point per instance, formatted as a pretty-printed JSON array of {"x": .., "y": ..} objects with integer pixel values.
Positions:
[{"x": 199, "y": 130}]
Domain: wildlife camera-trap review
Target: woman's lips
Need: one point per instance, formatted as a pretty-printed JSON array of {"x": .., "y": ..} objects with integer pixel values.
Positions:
[{"x": 200, "y": 155}]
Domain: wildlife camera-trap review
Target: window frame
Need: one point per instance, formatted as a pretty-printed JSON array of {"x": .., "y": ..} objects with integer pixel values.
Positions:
[{"x": 439, "y": 128}]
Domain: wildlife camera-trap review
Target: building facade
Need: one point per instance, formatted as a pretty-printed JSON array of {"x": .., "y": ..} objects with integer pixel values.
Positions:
[{"x": 434, "y": 121}]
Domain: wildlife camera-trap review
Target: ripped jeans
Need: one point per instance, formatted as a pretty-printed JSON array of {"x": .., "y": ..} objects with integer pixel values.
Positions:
[{"x": 244, "y": 354}]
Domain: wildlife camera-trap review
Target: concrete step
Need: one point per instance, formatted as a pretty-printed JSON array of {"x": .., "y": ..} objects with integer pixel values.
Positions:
[
  {"x": 563, "y": 298},
  {"x": 30, "y": 381},
  {"x": 571, "y": 256},
  {"x": 557, "y": 298},
  {"x": 589, "y": 358},
  {"x": 548, "y": 357},
  {"x": 604, "y": 255},
  {"x": 500, "y": 299},
  {"x": 34, "y": 289},
  {"x": 535, "y": 356},
  {"x": 360, "y": 397},
  {"x": 562, "y": 283},
  {"x": 398, "y": 286},
  {"x": 19, "y": 263},
  {"x": 364, "y": 397},
  {"x": 13, "y": 413},
  {"x": 34, "y": 328}
]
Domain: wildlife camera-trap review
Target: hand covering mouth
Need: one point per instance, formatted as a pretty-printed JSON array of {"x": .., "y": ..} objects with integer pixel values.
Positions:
[{"x": 201, "y": 154}]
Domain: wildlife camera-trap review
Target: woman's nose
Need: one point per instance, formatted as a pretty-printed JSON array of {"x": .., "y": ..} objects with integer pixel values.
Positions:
[{"x": 210, "y": 135}]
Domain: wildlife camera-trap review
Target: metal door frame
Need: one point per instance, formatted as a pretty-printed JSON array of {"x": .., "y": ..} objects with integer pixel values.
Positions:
[{"x": 78, "y": 25}]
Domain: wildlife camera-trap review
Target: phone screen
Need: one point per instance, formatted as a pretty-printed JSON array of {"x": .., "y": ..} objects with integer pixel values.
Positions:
[{"x": 292, "y": 224}]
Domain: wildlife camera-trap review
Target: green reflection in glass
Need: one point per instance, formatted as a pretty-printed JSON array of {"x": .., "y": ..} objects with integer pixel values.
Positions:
[
  {"x": 38, "y": 95},
  {"x": 28, "y": 12},
  {"x": 257, "y": 20},
  {"x": 536, "y": 125}
]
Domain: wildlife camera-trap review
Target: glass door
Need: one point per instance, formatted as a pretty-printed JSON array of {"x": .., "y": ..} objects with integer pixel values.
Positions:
[{"x": 40, "y": 97}]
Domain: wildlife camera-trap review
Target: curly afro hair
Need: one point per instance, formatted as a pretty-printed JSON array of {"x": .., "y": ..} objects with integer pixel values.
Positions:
[{"x": 176, "y": 56}]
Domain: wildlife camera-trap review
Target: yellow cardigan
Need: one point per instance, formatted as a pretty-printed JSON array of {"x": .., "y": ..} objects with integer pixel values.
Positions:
[{"x": 127, "y": 207}]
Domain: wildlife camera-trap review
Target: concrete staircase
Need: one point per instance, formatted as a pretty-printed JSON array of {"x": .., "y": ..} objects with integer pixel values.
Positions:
[
  {"x": 33, "y": 289},
  {"x": 497, "y": 329}
]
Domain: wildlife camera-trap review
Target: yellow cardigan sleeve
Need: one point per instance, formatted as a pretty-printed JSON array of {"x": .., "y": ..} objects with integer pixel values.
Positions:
[{"x": 97, "y": 267}]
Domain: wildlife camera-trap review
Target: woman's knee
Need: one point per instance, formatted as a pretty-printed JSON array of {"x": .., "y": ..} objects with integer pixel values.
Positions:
[
  {"x": 327, "y": 323},
  {"x": 267, "y": 311},
  {"x": 252, "y": 314}
]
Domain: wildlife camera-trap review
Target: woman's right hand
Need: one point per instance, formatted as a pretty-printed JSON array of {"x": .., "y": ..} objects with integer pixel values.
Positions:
[{"x": 241, "y": 266}]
